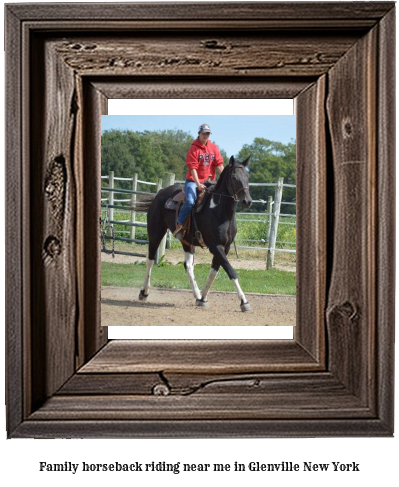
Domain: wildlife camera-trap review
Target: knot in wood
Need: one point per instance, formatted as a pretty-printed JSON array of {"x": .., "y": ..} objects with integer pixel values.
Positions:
[
  {"x": 90, "y": 47},
  {"x": 349, "y": 310},
  {"x": 213, "y": 44},
  {"x": 50, "y": 188},
  {"x": 347, "y": 128},
  {"x": 161, "y": 390},
  {"x": 346, "y": 310},
  {"x": 52, "y": 246}
]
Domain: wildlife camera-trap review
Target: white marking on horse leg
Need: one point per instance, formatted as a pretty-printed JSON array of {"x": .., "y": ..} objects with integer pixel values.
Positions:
[
  {"x": 211, "y": 277},
  {"x": 146, "y": 285},
  {"x": 189, "y": 265},
  {"x": 241, "y": 295}
]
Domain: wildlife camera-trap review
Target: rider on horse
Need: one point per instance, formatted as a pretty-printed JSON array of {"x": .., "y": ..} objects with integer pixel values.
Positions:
[{"x": 202, "y": 159}]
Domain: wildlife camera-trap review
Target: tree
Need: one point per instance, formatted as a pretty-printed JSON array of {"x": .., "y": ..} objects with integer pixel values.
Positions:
[
  {"x": 269, "y": 161},
  {"x": 148, "y": 153},
  {"x": 152, "y": 153},
  {"x": 115, "y": 153}
]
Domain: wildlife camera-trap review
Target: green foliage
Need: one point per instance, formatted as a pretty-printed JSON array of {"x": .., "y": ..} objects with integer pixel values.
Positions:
[
  {"x": 250, "y": 230},
  {"x": 149, "y": 154},
  {"x": 152, "y": 153},
  {"x": 163, "y": 262},
  {"x": 271, "y": 160}
]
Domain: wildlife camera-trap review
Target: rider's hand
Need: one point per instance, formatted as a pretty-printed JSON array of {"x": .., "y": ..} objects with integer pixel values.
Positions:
[{"x": 201, "y": 187}]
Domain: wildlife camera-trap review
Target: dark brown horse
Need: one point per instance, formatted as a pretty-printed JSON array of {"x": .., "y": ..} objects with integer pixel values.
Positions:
[{"x": 216, "y": 222}]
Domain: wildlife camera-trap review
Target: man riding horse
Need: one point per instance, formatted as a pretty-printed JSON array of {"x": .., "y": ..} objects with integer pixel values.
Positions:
[
  {"x": 214, "y": 222},
  {"x": 202, "y": 159}
]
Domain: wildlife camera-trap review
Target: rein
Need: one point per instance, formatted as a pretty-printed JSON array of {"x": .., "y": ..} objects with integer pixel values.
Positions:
[{"x": 234, "y": 195}]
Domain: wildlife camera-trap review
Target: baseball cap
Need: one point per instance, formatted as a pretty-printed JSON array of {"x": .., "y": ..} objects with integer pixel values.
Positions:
[{"x": 204, "y": 127}]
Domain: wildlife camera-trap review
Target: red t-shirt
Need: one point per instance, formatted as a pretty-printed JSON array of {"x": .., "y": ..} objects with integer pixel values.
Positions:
[{"x": 203, "y": 158}]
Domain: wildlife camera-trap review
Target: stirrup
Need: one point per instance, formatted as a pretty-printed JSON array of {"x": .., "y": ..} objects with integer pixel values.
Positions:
[{"x": 177, "y": 231}]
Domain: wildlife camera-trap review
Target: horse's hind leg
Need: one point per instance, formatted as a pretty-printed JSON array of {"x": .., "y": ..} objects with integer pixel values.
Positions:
[
  {"x": 219, "y": 252},
  {"x": 189, "y": 266},
  {"x": 215, "y": 266},
  {"x": 145, "y": 290},
  {"x": 155, "y": 235}
]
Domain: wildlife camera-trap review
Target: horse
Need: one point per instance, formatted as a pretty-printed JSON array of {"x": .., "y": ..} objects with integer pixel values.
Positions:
[{"x": 216, "y": 222}]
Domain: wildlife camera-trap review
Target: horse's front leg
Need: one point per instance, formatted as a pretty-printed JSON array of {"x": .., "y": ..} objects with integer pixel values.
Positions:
[
  {"x": 215, "y": 266},
  {"x": 189, "y": 266},
  {"x": 221, "y": 257}
]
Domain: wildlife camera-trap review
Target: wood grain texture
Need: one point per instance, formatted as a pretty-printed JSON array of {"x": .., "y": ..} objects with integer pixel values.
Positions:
[
  {"x": 385, "y": 245},
  {"x": 351, "y": 307},
  {"x": 249, "y": 428},
  {"x": 200, "y": 356},
  {"x": 53, "y": 197},
  {"x": 15, "y": 258},
  {"x": 311, "y": 207},
  {"x": 241, "y": 55},
  {"x": 66, "y": 62},
  {"x": 95, "y": 336},
  {"x": 176, "y": 87},
  {"x": 111, "y": 384},
  {"x": 277, "y": 396},
  {"x": 209, "y": 407},
  {"x": 185, "y": 384},
  {"x": 277, "y": 11}
]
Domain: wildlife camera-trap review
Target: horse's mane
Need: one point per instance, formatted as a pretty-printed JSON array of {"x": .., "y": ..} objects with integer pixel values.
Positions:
[{"x": 221, "y": 178}]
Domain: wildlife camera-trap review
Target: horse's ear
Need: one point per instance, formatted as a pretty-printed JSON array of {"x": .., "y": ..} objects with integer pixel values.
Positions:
[
  {"x": 246, "y": 161},
  {"x": 232, "y": 161}
]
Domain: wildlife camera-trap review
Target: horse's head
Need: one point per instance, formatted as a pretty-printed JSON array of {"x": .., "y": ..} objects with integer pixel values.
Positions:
[{"x": 238, "y": 181}]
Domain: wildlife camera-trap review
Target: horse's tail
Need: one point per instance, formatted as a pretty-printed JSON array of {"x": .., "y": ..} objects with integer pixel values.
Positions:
[{"x": 143, "y": 202}]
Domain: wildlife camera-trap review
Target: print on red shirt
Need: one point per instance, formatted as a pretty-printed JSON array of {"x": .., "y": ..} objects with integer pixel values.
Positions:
[{"x": 204, "y": 159}]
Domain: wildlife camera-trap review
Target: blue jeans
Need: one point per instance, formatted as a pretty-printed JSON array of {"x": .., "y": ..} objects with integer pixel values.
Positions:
[{"x": 190, "y": 189}]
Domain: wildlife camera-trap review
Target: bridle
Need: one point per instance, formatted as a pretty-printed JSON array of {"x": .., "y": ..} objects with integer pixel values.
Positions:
[{"x": 235, "y": 194}]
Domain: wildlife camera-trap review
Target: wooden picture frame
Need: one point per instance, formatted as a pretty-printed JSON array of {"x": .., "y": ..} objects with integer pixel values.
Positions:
[{"x": 335, "y": 378}]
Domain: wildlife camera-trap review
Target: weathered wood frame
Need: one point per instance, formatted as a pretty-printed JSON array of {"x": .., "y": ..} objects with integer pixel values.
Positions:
[{"x": 64, "y": 379}]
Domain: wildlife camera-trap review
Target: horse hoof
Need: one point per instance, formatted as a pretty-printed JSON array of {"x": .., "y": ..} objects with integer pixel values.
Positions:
[
  {"x": 245, "y": 307},
  {"x": 201, "y": 303},
  {"x": 143, "y": 296}
]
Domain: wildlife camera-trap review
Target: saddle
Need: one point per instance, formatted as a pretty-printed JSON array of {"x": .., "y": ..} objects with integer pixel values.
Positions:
[
  {"x": 175, "y": 203},
  {"x": 179, "y": 198}
]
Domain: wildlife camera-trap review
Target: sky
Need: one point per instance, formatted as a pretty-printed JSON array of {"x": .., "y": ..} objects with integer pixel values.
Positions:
[{"x": 229, "y": 132}]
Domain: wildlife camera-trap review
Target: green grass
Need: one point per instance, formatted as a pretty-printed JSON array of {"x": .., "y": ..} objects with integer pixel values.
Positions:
[{"x": 172, "y": 276}]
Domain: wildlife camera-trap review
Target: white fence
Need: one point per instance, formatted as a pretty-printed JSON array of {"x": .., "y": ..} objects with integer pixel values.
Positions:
[{"x": 272, "y": 216}]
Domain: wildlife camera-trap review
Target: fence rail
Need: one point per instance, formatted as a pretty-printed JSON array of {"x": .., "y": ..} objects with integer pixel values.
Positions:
[{"x": 271, "y": 215}]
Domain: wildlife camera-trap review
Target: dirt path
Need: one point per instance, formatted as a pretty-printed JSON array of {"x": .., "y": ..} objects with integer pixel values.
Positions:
[{"x": 120, "y": 307}]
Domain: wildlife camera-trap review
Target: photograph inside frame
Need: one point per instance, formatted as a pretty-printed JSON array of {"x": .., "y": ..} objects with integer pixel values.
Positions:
[{"x": 198, "y": 220}]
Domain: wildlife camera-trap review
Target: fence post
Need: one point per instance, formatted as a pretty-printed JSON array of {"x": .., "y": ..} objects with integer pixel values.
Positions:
[
  {"x": 157, "y": 254},
  {"x": 169, "y": 179},
  {"x": 110, "y": 201},
  {"x": 133, "y": 202},
  {"x": 269, "y": 218},
  {"x": 274, "y": 227}
]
